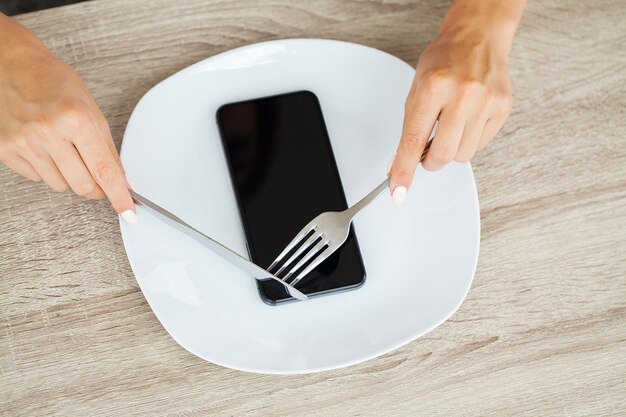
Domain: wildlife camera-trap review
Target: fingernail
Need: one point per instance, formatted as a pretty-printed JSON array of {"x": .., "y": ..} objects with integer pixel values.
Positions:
[
  {"x": 129, "y": 216},
  {"x": 399, "y": 194},
  {"x": 393, "y": 158}
]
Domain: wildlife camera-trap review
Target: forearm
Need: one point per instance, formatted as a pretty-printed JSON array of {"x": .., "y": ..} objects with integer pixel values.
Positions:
[{"x": 496, "y": 20}]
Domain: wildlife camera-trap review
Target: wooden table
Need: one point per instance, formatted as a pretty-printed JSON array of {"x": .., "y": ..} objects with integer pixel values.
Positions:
[{"x": 542, "y": 332}]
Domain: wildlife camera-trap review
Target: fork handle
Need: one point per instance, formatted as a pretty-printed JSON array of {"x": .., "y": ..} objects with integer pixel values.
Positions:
[{"x": 352, "y": 211}]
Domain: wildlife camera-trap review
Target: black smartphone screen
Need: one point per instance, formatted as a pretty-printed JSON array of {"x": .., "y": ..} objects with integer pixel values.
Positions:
[{"x": 284, "y": 174}]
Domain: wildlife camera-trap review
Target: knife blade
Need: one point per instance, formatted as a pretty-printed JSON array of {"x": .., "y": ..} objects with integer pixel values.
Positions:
[{"x": 216, "y": 247}]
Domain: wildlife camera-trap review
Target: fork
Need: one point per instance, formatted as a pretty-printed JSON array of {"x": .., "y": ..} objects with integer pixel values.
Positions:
[{"x": 321, "y": 237}]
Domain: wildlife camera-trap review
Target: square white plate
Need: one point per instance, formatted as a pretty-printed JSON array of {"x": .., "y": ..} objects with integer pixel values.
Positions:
[{"x": 420, "y": 257}]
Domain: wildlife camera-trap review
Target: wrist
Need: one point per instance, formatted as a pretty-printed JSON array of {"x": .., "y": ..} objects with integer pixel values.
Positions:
[
  {"x": 16, "y": 39},
  {"x": 483, "y": 21}
]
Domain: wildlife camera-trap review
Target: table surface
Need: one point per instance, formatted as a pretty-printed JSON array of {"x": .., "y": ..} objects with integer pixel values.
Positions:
[{"x": 542, "y": 331}]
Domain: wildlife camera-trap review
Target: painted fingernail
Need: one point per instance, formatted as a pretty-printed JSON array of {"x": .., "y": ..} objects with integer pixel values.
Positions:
[
  {"x": 129, "y": 216},
  {"x": 399, "y": 194},
  {"x": 393, "y": 158}
]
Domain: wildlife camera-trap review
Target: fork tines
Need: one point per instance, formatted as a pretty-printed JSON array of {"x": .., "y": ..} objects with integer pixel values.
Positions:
[{"x": 301, "y": 255}]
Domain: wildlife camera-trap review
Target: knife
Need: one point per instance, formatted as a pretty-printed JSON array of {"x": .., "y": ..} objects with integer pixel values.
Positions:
[{"x": 215, "y": 246}]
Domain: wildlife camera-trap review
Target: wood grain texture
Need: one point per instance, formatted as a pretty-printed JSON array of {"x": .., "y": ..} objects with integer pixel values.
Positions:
[{"x": 542, "y": 331}]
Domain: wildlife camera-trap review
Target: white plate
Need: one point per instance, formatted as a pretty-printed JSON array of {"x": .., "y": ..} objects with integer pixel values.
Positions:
[{"x": 419, "y": 257}]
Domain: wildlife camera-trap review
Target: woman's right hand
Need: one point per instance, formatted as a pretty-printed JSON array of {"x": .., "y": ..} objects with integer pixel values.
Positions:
[{"x": 50, "y": 126}]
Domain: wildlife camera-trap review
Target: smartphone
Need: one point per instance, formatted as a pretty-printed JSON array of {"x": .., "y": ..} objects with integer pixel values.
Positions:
[{"x": 284, "y": 174}]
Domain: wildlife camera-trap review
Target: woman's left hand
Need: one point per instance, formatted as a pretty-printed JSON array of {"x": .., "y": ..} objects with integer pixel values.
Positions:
[{"x": 462, "y": 81}]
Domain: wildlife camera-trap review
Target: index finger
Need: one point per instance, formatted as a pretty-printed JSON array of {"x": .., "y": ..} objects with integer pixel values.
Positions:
[
  {"x": 106, "y": 171},
  {"x": 419, "y": 123}
]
